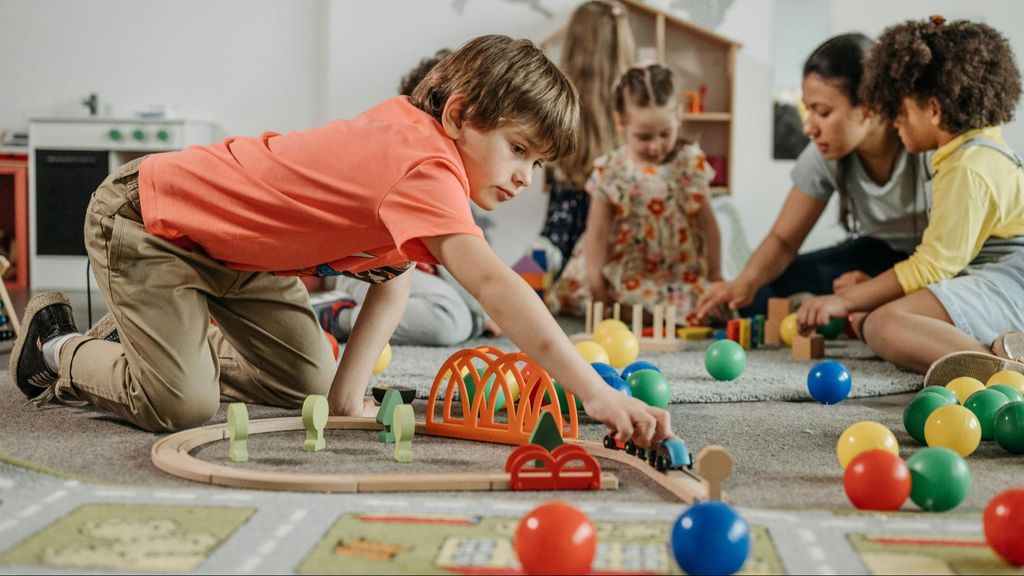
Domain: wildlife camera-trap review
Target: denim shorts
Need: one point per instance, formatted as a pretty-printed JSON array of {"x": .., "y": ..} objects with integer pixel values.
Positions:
[{"x": 987, "y": 297}]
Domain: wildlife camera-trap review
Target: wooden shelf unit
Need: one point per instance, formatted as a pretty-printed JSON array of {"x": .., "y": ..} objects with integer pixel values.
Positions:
[{"x": 14, "y": 214}]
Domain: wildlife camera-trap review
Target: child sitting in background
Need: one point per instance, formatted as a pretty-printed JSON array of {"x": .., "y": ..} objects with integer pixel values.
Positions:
[
  {"x": 948, "y": 88},
  {"x": 651, "y": 236}
]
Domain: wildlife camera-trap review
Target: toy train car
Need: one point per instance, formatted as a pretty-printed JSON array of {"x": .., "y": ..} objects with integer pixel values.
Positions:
[{"x": 670, "y": 454}]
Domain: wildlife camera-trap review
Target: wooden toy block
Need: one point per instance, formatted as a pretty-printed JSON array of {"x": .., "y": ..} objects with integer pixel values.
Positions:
[
  {"x": 757, "y": 331},
  {"x": 546, "y": 433},
  {"x": 745, "y": 333},
  {"x": 404, "y": 424},
  {"x": 314, "y": 418},
  {"x": 778, "y": 308},
  {"x": 238, "y": 432},
  {"x": 732, "y": 330},
  {"x": 694, "y": 333},
  {"x": 568, "y": 467},
  {"x": 385, "y": 415},
  {"x": 808, "y": 347}
]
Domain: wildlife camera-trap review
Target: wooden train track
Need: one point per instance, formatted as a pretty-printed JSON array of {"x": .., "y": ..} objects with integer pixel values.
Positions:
[{"x": 172, "y": 455}]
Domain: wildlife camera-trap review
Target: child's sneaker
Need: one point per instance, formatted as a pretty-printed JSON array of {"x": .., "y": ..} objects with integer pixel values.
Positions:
[
  {"x": 47, "y": 316},
  {"x": 974, "y": 364},
  {"x": 327, "y": 305},
  {"x": 1009, "y": 345}
]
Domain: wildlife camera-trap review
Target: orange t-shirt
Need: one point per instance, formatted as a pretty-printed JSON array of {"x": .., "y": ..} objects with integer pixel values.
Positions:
[{"x": 348, "y": 197}]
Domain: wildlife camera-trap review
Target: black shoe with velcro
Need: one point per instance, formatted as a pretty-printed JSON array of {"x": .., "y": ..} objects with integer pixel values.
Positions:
[{"x": 47, "y": 316}]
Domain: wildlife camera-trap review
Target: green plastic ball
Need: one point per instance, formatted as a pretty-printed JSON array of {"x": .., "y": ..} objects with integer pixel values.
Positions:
[
  {"x": 1009, "y": 391},
  {"x": 651, "y": 387},
  {"x": 725, "y": 360},
  {"x": 499, "y": 400},
  {"x": 985, "y": 404},
  {"x": 833, "y": 329},
  {"x": 941, "y": 391},
  {"x": 1009, "y": 427},
  {"x": 939, "y": 479},
  {"x": 563, "y": 403},
  {"x": 916, "y": 413}
]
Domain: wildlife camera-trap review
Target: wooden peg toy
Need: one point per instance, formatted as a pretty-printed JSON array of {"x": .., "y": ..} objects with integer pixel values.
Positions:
[
  {"x": 238, "y": 432},
  {"x": 715, "y": 464},
  {"x": 663, "y": 336},
  {"x": 404, "y": 425},
  {"x": 385, "y": 415},
  {"x": 808, "y": 347},
  {"x": 314, "y": 418}
]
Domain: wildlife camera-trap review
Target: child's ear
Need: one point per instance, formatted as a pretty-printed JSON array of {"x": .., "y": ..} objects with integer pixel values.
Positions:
[
  {"x": 620, "y": 123},
  {"x": 934, "y": 112},
  {"x": 452, "y": 116}
]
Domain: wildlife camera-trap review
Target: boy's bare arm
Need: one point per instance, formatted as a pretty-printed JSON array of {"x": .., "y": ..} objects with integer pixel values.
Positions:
[
  {"x": 377, "y": 320},
  {"x": 713, "y": 238},
  {"x": 525, "y": 319}
]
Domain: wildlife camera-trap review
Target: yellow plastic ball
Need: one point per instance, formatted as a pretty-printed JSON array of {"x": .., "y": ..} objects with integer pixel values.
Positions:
[
  {"x": 964, "y": 386},
  {"x": 954, "y": 427},
  {"x": 864, "y": 436},
  {"x": 608, "y": 325},
  {"x": 622, "y": 346},
  {"x": 383, "y": 360},
  {"x": 788, "y": 329},
  {"x": 1009, "y": 377},
  {"x": 592, "y": 351}
]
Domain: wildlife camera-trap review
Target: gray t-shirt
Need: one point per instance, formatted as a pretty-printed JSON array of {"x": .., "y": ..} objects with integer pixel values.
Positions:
[{"x": 895, "y": 212}]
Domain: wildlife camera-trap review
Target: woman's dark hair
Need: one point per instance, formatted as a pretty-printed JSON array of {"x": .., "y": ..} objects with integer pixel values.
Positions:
[
  {"x": 840, "y": 61},
  {"x": 968, "y": 67},
  {"x": 413, "y": 78}
]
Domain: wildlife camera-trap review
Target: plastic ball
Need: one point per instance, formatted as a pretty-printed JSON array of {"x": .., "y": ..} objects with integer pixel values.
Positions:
[
  {"x": 833, "y": 329},
  {"x": 1012, "y": 379},
  {"x": 862, "y": 437},
  {"x": 916, "y": 413},
  {"x": 725, "y": 360},
  {"x": 556, "y": 538},
  {"x": 946, "y": 393},
  {"x": 954, "y": 427},
  {"x": 335, "y": 349},
  {"x": 609, "y": 325},
  {"x": 622, "y": 346},
  {"x": 563, "y": 402},
  {"x": 499, "y": 400},
  {"x": 984, "y": 404},
  {"x": 1008, "y": 427},
  {"x": 603, "y": 370},
  {"x": 828, "y": 382},
  {"x": 877, "y": 480},
  {"x": 787, "y": 329},
  {"x": 650, "y": 386},
  {"x": 939, "y": 479},
  {"x": 1008, "y": 391},
  {"x": 383, "y": 360},
  {"x": 710, "y": 538},
  {"x": 619, "y": 384},
  {"x": 592, "y": 351},
  {"x": 638, "y": 365},
  {"x": 964, "y": 386},
  {"x": 1004, "y": 525}
]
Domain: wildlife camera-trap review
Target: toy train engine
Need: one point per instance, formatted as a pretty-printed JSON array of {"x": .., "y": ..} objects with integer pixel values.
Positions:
[{"x": 672, "y": 454}]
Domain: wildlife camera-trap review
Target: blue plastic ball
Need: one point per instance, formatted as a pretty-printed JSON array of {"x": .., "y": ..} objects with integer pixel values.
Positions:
[
  {"x": 604, "y": 370},
  {"x": 638, "y": 365},
  {"x": 710, "y": 538},
  {"x": 619, "y": 384},
  {"x": 828, "y": 382}
]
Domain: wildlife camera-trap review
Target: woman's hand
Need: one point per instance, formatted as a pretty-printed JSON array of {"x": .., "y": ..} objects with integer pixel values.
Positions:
[{"x": 729, "y": 295}]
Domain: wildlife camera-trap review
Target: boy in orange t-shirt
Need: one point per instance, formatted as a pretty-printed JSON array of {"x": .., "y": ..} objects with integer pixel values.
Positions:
[{"x": 221, "y": 231}]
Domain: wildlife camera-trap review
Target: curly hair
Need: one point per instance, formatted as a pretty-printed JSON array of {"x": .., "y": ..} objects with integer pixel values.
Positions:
[{"x": 968, "y": 67}]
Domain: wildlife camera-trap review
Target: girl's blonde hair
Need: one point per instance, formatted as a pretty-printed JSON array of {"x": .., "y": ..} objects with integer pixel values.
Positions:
[
  {"x": 598, "y": 48},
  {"x": 506, "y": 81}
]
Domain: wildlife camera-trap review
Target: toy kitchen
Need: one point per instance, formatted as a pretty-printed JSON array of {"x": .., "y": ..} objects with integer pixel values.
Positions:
[{"x": 68, "y": 159}]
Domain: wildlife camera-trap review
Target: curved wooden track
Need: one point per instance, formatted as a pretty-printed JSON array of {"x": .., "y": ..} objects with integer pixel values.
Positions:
[{"x": 171, "y": 455}]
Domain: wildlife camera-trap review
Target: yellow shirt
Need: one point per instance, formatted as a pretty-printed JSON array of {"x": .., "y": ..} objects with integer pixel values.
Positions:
[{"x": 977, "y": 194}]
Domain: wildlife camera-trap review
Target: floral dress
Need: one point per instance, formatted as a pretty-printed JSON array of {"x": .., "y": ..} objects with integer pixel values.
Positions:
[{"x": 656, "y": 253}]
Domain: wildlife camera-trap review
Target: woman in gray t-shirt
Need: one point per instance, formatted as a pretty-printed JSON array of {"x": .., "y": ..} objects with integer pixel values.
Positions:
[{"x": 855, "y": 153}]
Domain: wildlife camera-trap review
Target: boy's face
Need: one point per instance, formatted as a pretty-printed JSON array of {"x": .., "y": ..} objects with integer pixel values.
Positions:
[
  {"x": 918, "y": 125},
  {"x": 836, "y": 126},
  {"x": 499, "y": 162}
]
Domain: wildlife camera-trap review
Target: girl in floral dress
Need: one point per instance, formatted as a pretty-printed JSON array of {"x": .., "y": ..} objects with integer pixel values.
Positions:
[{"x": 651, "y": 235}]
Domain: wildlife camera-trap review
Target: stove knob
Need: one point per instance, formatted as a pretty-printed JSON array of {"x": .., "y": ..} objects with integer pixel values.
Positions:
[
  {"x": 115, "y": 134},
  {"x": 139, "y": 134},
  {"x": 163, "y": 135}
]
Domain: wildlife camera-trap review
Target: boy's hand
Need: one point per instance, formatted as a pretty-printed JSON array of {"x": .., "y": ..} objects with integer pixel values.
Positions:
[
  {"x": 629, "y": 418},
  {"x": 819, "y": 311}
]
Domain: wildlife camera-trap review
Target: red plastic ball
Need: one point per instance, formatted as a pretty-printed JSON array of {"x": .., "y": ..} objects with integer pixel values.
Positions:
[
  {"x": 877, "y": 480},
  {"x": 333, "y": 342},
  {"x": 556, "y": 538},
  {"x": 1004, "y": 525}
]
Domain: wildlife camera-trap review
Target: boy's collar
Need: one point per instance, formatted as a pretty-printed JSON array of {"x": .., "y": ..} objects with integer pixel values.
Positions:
[{"x": 942, "y": 153}]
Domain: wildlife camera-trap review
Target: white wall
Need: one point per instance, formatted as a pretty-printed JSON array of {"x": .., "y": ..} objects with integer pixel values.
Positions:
[{"x": 255, "y": 65}]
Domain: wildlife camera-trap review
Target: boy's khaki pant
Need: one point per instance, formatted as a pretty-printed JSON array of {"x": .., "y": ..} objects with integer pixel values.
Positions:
[{"x": 171, "y": 366}]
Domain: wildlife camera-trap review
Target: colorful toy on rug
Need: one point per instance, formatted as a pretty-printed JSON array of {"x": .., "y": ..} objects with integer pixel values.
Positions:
[
  {"x": 662, "y": 336},
  {"x": 862, "y": 437},
  {"x": 314, "y": 418},
  {"x": 383, "y": 360},
  {"x": 1004, "y": 525},
  {"x": 1009, "y": 378},
  {"x": 877, "y": 480},
  {"x": 1008, "y": 428},
  {"x": 556, "y": 538},
  {"x": 650, "y": 386},
  {"x": 953, "y": 427},
  {"x": 238, "y": 432},
  {"x": 725, "y": 360},
  {"x": 404, "y": 425},
  {"x": 386, "y": 415},
  {"x": 710, "y": 538},
  {"x": 940, "y": 479},
  {"x": 567, "y": 467},
  {"x": 408, "y": 394},
  {"x": 533, "y": 268},
  {"x": 829, "y": 382}
]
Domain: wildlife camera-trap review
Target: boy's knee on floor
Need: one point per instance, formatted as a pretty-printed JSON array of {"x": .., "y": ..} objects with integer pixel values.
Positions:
[{"x": 186, "y": 413}]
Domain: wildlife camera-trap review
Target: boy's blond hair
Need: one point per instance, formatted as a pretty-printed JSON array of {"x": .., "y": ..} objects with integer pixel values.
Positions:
[{"x": 506, "y": 80}]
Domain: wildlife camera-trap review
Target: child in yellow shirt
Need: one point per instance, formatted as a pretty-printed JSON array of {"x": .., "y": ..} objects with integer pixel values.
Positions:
[{"x": 948, "y": 88}]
